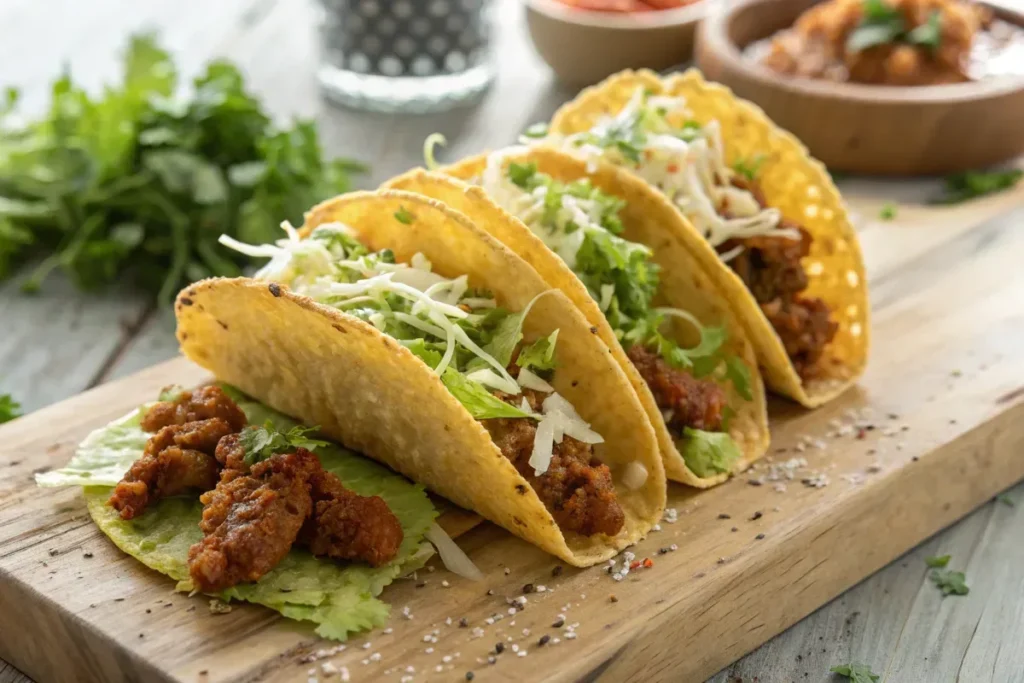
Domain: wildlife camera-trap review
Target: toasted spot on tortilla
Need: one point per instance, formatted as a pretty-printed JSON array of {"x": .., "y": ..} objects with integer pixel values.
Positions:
[
  {"x": 185, "y": 301},
  {"x": 274, "y": 288}
]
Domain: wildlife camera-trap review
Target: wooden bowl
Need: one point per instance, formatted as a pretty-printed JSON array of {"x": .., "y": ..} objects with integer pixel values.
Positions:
[
  {"x": 582, "y": 46},
  {"x": 865, "y": 128}
]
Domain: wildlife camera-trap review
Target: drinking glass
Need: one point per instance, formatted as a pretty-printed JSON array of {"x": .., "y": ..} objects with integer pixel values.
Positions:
[{"x": 405, "y": 55}]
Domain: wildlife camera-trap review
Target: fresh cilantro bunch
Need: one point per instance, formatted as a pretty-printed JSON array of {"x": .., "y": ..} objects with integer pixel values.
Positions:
[{"x": 137, "y": 184}]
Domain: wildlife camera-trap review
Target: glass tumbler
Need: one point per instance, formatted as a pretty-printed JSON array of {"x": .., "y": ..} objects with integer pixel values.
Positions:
[{"x": 413, "y": 56}]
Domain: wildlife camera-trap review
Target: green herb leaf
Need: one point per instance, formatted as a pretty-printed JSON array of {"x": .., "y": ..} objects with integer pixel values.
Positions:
[
  {"x": 857, "y": 673},
  {"x": 126, "y": 187},
  {"x": 9, "y": 408},
  {"x": 540, "y": 355},
  {"x": 708, "y": 453},
  {"x": 928, "y": 34},
  {"x": 749, "y": 168},
  {"x": 424, "y": 352},
  {"x": 480, "y": 403},
  {"x": 961, "y": 187},
  {"x": 888, "y": 211},
  {"x": 508, "y": 334},
  {"x": 522, "y": 174},
  {"x": 939, "y": 561},
  {"x": 871, "y": 35},
  {"x": 1005, "y": 499},
  {"x": 263, "y": 442},
  {"x": 950, "y": 582},
  {"x": 403, "y": 215}
]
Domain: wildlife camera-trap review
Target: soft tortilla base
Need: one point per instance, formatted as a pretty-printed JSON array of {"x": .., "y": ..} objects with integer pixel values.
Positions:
[
  {"x": 370, "y": 393},
  {"x": 648, "y": 219},
  {"x": 793, "y": 182}
]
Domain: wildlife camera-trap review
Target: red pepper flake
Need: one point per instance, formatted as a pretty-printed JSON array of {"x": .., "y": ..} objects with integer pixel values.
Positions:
[
  {"x": 672, "y": 168},
  {"x": 861, "y": 434},
  {"x": 634, "y": 564},
  {"x": 648, "y": 563}
]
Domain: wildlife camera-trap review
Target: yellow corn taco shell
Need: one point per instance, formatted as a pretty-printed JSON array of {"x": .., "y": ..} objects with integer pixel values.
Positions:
[
  {"x": 369, "y": 392},
  {"x": 648, "y": 218},
  {"x": 793, "y": 182}
]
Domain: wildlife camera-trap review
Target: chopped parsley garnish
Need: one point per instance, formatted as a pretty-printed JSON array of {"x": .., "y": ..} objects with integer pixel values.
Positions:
[
  {"x": 857, "y": 673},
  {"x": 961, "y": 187},
  {"x": 883, "y": 24},
  {"x": 950, "y": 582},
  {"x": 9, "y": 408},
  {"x": 1005, "y": 499},
  {"x": 133, "y": 185},
  {"x": 888, "y": 211},
  {"x": 403, "y": 215},
  {"x": 749, "y": 168},
  {"x": 263, "y": 442},
  {"x": 937, "y": 562}
]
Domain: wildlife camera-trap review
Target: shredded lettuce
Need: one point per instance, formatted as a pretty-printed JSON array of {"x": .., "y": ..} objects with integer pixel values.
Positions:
[
  {"x": 338, "y": 598},
  {"x": 621, "y": 275},
  {"x": 480, "y": 403},
  {"x": 540, "y": 355},
  {"x": 708, "y": 453}
]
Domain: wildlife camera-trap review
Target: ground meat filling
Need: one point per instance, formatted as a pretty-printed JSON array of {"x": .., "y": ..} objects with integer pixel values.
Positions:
[
  {"x": 176, "y": 459},
  {"x": 251, "y": 521},
  {"x": 685, "y": 401},
  {"x": 347, "y": 526},
  {"x": 771, "y": 268},
  {"x": 252, "y": 515},
  {"x": 577, "y": 488},
  {"x": 202, "y": 404}
]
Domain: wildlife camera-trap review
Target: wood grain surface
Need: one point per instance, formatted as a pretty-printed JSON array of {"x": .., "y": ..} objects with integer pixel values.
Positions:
[{"x": 61, "y": 342}]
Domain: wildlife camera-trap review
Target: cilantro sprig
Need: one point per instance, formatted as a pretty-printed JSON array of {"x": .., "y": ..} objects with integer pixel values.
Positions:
[
  {"x": 882, "y": 24},
  {"x": 856, "y": 673},
  {"x": 962, "y": 187},
  {"x": 950, "y": 582},
  {"x": 9, "y": 408},
  {"x": 263, "y": 442},
  {"x": 135, "y": 184}
]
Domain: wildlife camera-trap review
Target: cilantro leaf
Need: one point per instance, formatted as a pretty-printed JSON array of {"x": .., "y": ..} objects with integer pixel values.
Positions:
[
  {"x": 939, "y": 561},
  {"x": 869, "y": 35},
  {"x": 950, "y": 582},
  {"x": 9, "y": 408},
  {"x": 540, "y": 355},
  {"x": 857, "y": 673},
  {"x": 1005, "y": 499},
  {"x": 536, "y": 131},
  {"x": 928, "y": 34},
  {"x": 749, "y": 168},
  {"x": 405, "y": 216},
  {"x": 961, "y": 187},
  {"x": 132, "y": 186},
  {"x": 263, "y": 442},
  {"x": 507, "y": 336},
  {"x": 888, "y": 211},
  {"x": 480, "y": 403}
]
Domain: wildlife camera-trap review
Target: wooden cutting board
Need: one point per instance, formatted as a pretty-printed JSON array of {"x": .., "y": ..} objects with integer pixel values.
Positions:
[{"x": 935, "y": 428}]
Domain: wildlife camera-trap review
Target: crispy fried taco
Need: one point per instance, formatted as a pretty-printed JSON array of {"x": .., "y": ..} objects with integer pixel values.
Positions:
[
  {"x": 408, "y": 334},
  {"x": 754, "y": 205},
  {"x": 609, "y": 243},
  {"x": 229, "y": 497}
]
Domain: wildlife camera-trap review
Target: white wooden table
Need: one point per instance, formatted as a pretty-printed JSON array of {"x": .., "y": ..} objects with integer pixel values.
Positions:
[{"x": 58, "y": 343}]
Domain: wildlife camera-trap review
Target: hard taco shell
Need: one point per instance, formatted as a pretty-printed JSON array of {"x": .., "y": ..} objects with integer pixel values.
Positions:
[
  {"x": 370, "y": 393},
  {"x": 793, "y": 182},
  {"x": 648, "y": 218}
]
